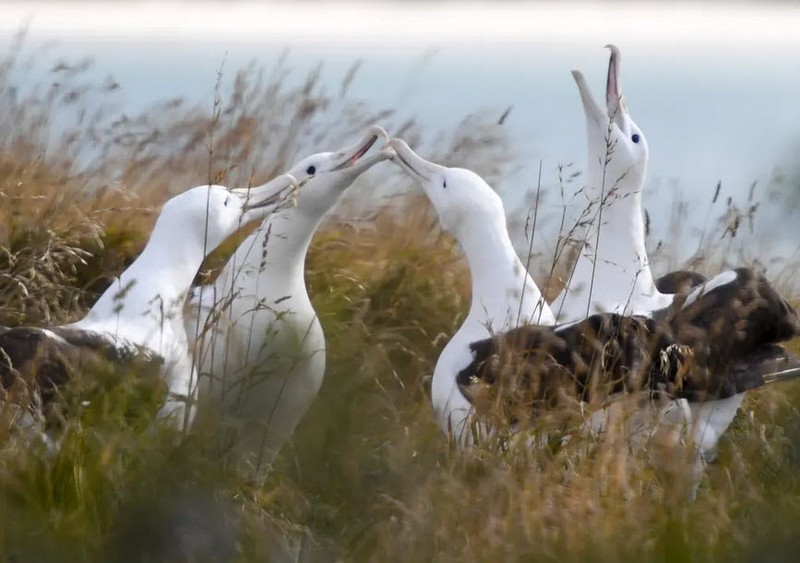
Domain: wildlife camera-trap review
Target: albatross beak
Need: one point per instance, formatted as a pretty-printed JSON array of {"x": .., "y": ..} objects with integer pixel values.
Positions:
[
  {"x": 350, "y": 159},
  {"x": 412, "y": 163},
  {"x": 347, "y": 157},
  {"x": 590, "y": 107},
  {"x": 278, "y": 193},
  {"x": 615, "y": 103}
]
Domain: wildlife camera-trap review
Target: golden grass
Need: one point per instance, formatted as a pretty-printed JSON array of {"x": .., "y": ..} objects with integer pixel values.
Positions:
[{"x": 368, "y": 476}]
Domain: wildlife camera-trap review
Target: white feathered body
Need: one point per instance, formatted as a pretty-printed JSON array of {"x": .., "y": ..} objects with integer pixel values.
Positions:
[
  {"x": 261, "y": 358},
  {"x": 148, "y": 312},
  {"x": 503, "y": 297}
]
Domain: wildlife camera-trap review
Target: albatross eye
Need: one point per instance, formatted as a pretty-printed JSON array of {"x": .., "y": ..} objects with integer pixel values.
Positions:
[
  {"x": 635, "y": 137},
  {"x": 444, "y": 184},
  {"x": 225, "y": 203},
  {"x": 311, "y": 170}
]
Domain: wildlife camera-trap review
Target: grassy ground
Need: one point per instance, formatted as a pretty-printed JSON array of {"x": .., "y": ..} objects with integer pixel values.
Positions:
[{"x": 368, "y": 476}]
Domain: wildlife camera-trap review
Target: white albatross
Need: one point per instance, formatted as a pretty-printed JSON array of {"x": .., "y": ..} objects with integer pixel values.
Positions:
[
  {"x": 612, "y": 272},
  {"x": 261, "y": 349},
  {"x": 141, "y": 314},
  {"x": 503, "y": 294}
]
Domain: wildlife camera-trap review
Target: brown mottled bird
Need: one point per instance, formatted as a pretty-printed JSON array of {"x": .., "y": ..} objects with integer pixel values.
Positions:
[{"x": 716, "y": 342}]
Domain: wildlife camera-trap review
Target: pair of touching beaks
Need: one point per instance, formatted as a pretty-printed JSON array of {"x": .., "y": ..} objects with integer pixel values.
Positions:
[
  {"x": 394, "y": 149},
  {"x": 342, "y": 159}
]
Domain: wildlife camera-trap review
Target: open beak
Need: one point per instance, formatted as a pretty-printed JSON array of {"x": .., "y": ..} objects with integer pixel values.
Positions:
[
  {"x": 278, "y": 193},
  {"x": 351, "y": 155},
  {"x": 593, "y": 111},
  {"x": 615, "y": 103},
  {"x": 350, "y": 158},
  {"x": 412, "y": 163}
]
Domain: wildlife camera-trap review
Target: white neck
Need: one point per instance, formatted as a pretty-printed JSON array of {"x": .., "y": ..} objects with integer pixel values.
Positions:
[
  {"x": 613, "y": 271},
  {"x": 270, "y": 263},
  {"x": 503, "y": 296}
]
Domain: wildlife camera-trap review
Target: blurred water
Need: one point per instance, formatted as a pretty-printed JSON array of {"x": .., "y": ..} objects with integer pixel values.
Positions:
[{"x": 715, "y": 90}]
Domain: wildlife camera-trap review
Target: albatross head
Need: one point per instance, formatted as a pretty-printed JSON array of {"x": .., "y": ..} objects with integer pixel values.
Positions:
[
  {"x": 324, "y": 176},
  {"x": 213, "y": 213},
  {"x": 617, "y": 147},
  {"x": 461, "y": 197}
]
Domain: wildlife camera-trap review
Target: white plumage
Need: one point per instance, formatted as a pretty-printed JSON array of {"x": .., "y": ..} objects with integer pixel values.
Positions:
[
  {"x": 612, "y": 272},
  {"x": 503, "y": 294},
  {"x": 261, "y": 350},
  {"x": 140, "y": 315}
]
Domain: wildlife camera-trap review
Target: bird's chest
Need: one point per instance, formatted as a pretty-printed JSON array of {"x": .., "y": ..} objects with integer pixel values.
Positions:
[{"x": 263, "y": 330}]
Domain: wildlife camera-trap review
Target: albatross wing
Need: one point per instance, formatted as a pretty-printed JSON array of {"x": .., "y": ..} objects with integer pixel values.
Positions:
[
  {"x": 42, "y": 361},
  {"x": 720, "y": 341}
]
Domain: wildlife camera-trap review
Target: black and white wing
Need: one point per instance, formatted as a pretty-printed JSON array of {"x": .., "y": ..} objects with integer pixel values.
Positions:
[
  {"x": 530, "y": 369},
  {"x": 734, "y": 324},
  {"x": 720, "y": 340}
]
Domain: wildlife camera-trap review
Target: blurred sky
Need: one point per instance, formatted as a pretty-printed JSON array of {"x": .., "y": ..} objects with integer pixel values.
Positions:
[{"x": 714, "y": 86}]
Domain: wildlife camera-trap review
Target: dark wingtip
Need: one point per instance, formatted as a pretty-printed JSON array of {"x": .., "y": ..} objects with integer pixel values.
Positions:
[{"x": 769, "y": 364}]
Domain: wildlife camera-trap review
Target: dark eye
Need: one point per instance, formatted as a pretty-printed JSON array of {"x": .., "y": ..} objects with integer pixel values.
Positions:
[
  {"x": 311, "y": 170},
  {"x": 225, "y": 203},
  {"x": 444, "y": 184},
  {"x": 635, "y": 137}
]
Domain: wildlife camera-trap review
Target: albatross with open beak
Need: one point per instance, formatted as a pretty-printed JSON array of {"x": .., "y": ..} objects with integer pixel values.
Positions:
[
  {"x": 261, "y": 349},
  {"x": 612, "y": 273}
]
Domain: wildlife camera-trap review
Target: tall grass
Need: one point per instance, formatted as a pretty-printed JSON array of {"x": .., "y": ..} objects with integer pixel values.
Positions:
[{"x": 368, "y": 475}]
